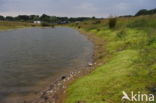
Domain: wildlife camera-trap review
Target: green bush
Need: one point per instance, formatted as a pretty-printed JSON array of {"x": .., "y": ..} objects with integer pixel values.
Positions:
[
  {"x": 112, "y": 22},
  {"x": 79, "y": 27},
  {"x": 45, "y": 24}
]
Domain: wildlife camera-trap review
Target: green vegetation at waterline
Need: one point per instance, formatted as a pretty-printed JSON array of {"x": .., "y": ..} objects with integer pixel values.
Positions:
[
  {"x": 5, "y": 25},
  {"x": 128, "y": 60},
  {"x": 45, "y": 24}
]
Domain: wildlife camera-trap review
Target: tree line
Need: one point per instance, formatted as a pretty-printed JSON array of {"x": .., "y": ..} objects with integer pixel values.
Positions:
[
  {"x": 43, "y": 18},
  {"x": 62, "y": 20},
  {"x": 146, "y": 12}
]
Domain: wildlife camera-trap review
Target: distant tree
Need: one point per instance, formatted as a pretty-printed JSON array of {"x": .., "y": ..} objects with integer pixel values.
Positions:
[
  {"x": 2, "y": 17},
  {"x": 34, "y": 17},
  {"x": 145, "y": 12},
  {"x": 23, "y": 18},
  {"x": 53, "y": 19},
  {"x": 141, "y": 12},
  {"x": 9, "y": 18},
  {"x": 93, "y": 17},
  {"x": 153, "y": 11},
  {"x": 63, "y": 19},
  {"x": 45, "y": 18}
]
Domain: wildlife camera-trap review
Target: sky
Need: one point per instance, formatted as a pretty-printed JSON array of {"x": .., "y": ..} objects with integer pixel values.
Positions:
[{"x": 74, "y": 8}]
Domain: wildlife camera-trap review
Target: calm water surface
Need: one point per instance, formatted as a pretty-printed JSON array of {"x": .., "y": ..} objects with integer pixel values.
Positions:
[{"x": 28, "y": 57}]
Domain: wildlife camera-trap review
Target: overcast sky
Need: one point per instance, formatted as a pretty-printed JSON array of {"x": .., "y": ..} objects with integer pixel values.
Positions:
[{"x": 74, "y": 8}]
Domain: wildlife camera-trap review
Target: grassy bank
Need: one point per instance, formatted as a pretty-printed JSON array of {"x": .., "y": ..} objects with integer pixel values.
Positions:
[
  {"x": 5, "y": 25},
  {"x": 128, "y": 60}
]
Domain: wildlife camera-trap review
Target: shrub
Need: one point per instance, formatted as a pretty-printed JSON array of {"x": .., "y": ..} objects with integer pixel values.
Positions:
[
  {"x": 98, "y": 30},
  {"x": 79, "y": 27},
  {"x": 45, "y": 24},
  {"x": 112, "y": 22}
]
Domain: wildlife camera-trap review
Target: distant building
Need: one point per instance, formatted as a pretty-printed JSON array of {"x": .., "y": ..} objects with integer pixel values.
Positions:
[
  {"x": 63, "y": 22},
  {"x": 37, "y": 22}
]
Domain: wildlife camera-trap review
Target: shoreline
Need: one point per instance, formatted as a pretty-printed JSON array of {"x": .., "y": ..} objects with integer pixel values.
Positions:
[{"x": 56, "y": 91}]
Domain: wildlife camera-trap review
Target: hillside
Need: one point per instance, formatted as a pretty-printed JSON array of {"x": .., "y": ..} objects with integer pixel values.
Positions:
[{"x": 125, "y": 57}]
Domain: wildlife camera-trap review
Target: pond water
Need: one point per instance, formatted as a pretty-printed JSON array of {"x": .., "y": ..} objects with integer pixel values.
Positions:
[{"x": 28, "y": 57}]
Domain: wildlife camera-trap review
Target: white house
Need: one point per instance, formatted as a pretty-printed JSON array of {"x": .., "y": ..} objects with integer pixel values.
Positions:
[{"x": 37, "y": 22}]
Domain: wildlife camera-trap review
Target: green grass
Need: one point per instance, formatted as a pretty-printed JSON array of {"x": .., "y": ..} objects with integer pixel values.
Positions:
[
  {"x": 130, "y": 66},
  {"x": 106, "y": 82}
]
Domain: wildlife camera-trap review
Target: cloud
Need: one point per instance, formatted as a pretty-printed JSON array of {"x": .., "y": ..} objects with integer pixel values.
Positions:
[
  {"x": 100, "y": 8},
  {"x": 86, "y": 7}
]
